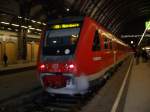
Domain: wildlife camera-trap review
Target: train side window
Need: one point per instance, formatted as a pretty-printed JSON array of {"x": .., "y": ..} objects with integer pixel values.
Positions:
[
  {"x": 105, "y": 43},
  {"x": 96, "y": 42}
]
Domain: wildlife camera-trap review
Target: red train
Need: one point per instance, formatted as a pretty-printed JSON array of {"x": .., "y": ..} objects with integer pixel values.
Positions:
[{"x": 75, "y": 54}]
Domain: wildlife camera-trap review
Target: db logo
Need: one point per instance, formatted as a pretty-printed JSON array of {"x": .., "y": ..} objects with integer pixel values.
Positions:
[{"x": 55, "y": 66}]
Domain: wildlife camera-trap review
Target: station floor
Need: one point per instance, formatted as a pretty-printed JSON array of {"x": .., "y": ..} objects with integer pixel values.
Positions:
[
  {"x": 16, "y": 66},
  {"x": 138, "y": 94}
]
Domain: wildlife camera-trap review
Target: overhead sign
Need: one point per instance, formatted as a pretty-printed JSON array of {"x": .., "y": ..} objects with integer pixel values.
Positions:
[{"x": 147, "y": 25}]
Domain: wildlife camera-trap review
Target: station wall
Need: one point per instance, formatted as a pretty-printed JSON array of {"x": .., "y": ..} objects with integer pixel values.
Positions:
[
  {"x": 11, "y": 52},
  {"x": 29, "y": 51},
  {"x": 9, "y": 45},
  {"x": 32, "y": 51}
]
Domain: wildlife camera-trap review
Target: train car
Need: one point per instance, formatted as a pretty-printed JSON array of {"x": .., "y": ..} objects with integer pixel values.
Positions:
[{"x": 75, "y": 53}]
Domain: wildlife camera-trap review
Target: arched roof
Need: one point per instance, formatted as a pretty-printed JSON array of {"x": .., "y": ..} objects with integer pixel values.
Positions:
[{"x": 115, "y": 15}]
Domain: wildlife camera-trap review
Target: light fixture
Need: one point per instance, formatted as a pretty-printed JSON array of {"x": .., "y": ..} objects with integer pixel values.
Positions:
[
  {"x": 24, "y": 27},
  {"x": 6, "y": 23},
  {"x": 131, "y": 42},
  {"x": 26, "y": 19},
  {"x": 43, "y": 23},
  {"x": 31, "y": 28},
  {"x": 38, "y": 29},
  {"x": 39, "y": 22},
  {"x": 68, "y": 9},
  {"x": 15, "y": 25},
  {"x": 74, "y": 35},
  {"x": 33, "y": 21},
  {"x": 19, "y": 17},
  {"x": 9, "y": 29},
  {"x": 28, "y": 31}
]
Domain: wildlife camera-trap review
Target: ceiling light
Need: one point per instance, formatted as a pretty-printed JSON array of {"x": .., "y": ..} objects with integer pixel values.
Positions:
[
  {"x": 147, "y": 48},
  {"x": 31, "y": 28},
  {"x": 33, "y": 21},
  {"x": 38, "y": 29},
  {"x": 26, "y": 19},
  {"x": 28, "y": 31},
  {"x": 9, "y": 29},
  {"x": 19, "y": 17},
  {"x": 39, "y": 22},
  {"x": 5, "y": 23},
  {"x": 14, "y": 24},
  {"x": 43, "y": 23},
  {"x": 24, "y": 27},
  {"x": 68, "y": 9}
]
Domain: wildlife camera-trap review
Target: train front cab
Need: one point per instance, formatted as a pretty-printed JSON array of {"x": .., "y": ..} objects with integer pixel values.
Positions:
[{"x": 57, "y": 66}]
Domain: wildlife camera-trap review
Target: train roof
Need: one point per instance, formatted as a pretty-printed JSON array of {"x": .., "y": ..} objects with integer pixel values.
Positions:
[{"x": 113, "y": 38}]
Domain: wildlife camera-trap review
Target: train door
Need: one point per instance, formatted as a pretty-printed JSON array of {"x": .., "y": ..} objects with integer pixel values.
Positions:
[
  {"x": 111, "y": 56},
  {"x": 35, "y": 51},
  {"x": 114, "y": 51},
  {"x": 1, "y": 53},
  {"x": 117, "y": 51},
  {"x": 106, "y": 51},
  {"x": 29, "y": 52},
  {"x": 11, "y": 52},
  {"x": 97, "y": 54}
]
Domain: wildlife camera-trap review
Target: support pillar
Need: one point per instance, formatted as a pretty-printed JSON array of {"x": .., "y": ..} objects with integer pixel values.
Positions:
[{"x": 22, "y": 44}]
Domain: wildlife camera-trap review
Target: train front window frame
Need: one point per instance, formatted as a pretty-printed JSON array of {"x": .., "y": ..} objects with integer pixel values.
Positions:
[{"x": 61, "y": 41}]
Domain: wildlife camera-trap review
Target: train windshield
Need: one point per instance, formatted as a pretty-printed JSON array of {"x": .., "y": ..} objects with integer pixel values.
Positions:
[{"x": 61, "y": 41}]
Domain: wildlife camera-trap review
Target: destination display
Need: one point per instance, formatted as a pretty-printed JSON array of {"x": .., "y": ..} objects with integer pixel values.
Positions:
[{"x": 63, "y": 26}]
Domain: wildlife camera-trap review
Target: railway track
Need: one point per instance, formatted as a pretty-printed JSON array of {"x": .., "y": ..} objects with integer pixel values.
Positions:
[{"x": 39, "y": 101}]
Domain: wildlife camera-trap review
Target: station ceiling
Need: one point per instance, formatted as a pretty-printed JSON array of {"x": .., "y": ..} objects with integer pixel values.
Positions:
[{"x": 120, "y": 17}]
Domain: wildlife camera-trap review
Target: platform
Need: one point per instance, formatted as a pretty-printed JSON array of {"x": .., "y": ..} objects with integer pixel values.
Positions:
[
  {"x": 11, "y": 68},
  {"x": 138, "y": 95},
  {"x": 135, "y": 95}
]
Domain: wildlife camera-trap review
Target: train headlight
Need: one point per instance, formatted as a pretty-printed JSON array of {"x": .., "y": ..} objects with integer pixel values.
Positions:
[
  {"x": 71, "y": 66},
  {"x": 42, "y": 68}
]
